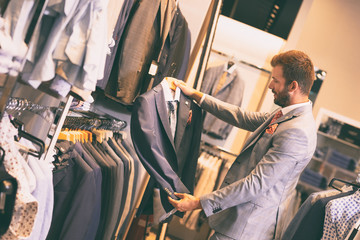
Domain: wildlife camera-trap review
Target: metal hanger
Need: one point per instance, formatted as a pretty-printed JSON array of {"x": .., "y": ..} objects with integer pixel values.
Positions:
[
  {"x": 331, "y": 184},
  {"x": 22, "y": 134}
]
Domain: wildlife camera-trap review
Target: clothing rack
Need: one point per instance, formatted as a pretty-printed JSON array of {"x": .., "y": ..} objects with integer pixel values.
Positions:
[
  {"x": 207, "y": 146},
  {"x": 232, "y": 58},
  {"x": 17, "y": 105},
  {"x": 89, "y": 120}
]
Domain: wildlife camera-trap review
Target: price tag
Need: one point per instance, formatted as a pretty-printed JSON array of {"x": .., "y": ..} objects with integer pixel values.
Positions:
[{"x": 153, "y": 68}]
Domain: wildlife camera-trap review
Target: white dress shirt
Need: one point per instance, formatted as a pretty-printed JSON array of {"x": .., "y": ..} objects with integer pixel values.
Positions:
[{"x": 173, "y": 98}]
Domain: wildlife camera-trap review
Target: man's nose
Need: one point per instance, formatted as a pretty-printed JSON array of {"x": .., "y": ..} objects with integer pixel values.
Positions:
[{"x": 270, "y": 85}]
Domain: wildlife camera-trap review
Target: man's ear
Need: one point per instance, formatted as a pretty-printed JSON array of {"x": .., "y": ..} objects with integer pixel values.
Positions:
[{"x": 293, "y": 86}]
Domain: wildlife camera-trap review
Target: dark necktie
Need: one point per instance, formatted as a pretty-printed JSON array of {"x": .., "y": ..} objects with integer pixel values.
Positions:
[{"x": 172, "y": 116}]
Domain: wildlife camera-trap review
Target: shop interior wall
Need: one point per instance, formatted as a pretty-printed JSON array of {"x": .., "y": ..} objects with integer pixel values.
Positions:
[
  {"x": 331, "y": 36},
  {"x": 194, "y": 12},
  {"x": 246, "y": 43}
]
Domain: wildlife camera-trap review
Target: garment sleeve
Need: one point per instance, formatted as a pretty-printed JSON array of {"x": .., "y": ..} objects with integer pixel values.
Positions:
[
  {"x": 289, "y": 147},
  {"x": 233, "y": 114}
]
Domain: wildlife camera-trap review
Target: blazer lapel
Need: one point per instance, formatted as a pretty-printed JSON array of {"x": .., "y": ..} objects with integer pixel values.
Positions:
[
  {"x": 162, "y": 111},
  {"x": 292, "y": 114},
  {"x": 182, "y": 117},
  {"x": 228, "y": 80},
  {"x": 253, "y": 137}
]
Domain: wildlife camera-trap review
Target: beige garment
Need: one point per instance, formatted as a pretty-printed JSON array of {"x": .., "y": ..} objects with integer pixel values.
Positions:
[{"x": 221, "y": 83}]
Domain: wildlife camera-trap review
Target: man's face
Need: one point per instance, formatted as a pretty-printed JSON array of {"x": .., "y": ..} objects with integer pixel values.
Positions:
[{"x": 279, "y": 88}]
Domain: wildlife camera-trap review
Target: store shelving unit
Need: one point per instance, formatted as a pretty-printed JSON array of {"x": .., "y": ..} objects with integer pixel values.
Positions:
[{"x": 329, "y": 125}]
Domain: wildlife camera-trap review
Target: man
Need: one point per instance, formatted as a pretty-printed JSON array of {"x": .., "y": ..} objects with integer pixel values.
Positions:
[{"x": 253, "y": 197}]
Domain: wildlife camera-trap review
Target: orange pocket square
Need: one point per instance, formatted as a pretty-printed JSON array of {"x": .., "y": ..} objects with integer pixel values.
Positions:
[{"x": 271, "y": 129}]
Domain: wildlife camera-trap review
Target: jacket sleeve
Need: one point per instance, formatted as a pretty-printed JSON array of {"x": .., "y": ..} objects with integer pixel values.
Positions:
[
  {"x": 288, "y": 149},
  {"x": 233, "y": 114}
]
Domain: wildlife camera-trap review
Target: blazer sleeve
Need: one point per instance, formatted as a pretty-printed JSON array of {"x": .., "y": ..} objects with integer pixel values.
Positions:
[
  {"x": 233, "y": 114},
  {"x": 146, "y": 143},
  {"x": 289, "y": 148}
]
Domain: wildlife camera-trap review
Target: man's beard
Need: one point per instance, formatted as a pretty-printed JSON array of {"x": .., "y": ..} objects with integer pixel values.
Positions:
[{"x": 282, "y": 98}]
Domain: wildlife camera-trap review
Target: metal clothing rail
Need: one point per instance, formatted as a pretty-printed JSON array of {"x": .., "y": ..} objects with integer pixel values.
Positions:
[
  {"x": 218, "y": 148},
  {"x": 240, "y": 61},
  {"x": 8, "y": 80}
]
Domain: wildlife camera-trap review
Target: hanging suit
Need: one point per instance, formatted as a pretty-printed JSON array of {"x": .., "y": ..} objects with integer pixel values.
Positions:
[
  {"x": 175, "y": 54},
  {"x": 170, "y": 163},
  {"x": 231, "y": 91},
  {"x": 143, "y": 38},
  {"x": 117, "y": 33}
]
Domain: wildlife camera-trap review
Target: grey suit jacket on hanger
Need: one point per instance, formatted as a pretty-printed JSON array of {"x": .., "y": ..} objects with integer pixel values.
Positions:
[
  {"x": 170, "y": 163},
  {"x": 231, "y": 92},
  {"x": 175, "y": 54},
  {"x": 143, "y": 39},
  {"x": 254, "y": 194}
]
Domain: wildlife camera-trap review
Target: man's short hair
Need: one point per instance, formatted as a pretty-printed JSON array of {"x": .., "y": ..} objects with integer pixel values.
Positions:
[{"x": 297, "y": 66}]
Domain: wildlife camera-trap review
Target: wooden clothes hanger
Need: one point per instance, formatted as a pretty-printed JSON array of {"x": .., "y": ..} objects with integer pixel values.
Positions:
[{"x": 170, "y": 82}]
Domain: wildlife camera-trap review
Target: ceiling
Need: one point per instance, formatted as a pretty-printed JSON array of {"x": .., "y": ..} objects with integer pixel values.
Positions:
[{"x": 273, "y": 16}]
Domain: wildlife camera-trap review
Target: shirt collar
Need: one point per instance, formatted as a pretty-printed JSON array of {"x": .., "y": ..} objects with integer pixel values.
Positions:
[
  {"x": 230, "y": 70},
  {"x": 167, "y": 92},
  {"x": 287, "y": 109}
]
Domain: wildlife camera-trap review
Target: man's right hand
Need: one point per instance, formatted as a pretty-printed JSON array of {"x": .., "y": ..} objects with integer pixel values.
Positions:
[{"x": 189, "y": 91}]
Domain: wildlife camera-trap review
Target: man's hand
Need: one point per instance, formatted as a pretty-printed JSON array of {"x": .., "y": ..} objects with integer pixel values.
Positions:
[
  {"x": 187, "y": 202},
  {"x": 189, "y": 91}
]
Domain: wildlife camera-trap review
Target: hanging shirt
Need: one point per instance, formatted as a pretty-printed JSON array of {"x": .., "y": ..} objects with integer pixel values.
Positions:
[{"x": 341, "y": 214}]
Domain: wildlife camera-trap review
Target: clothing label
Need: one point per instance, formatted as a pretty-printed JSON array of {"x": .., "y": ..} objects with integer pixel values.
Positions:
[{"x": 153, "y": 68}]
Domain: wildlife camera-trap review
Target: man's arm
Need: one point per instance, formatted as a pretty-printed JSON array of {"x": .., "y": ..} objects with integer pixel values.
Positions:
[
  {"x": 277, "y": 165},
  {"x": 189, "y": 91}
]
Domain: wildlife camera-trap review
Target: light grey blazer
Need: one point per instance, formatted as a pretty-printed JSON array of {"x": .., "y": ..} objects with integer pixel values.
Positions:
[{"x": 254, "y": 194}]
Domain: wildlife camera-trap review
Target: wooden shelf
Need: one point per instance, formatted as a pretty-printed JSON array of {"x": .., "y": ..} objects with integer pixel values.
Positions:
[
  {"x": 321, "y": 165},
  {"x": 338, "y": 140}
]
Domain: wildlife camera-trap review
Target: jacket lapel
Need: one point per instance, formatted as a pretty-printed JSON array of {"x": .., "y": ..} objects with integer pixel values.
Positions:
[
  {"x": 162, "y": 112},
  {"x": 182, "y": 117},
  {"x": 292, "y": 114},
  {"x": 228, "y": 80},
  {"x": 253, "y": 137}
]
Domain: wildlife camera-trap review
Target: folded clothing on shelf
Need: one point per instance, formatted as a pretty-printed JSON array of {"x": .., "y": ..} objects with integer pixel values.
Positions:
[
  {"x": 313, "y": 178},
  {"x": 341, "y": 160}
]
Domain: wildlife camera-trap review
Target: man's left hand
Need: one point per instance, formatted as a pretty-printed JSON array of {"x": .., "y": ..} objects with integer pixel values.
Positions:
[{"x": 187, "y": 202}]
